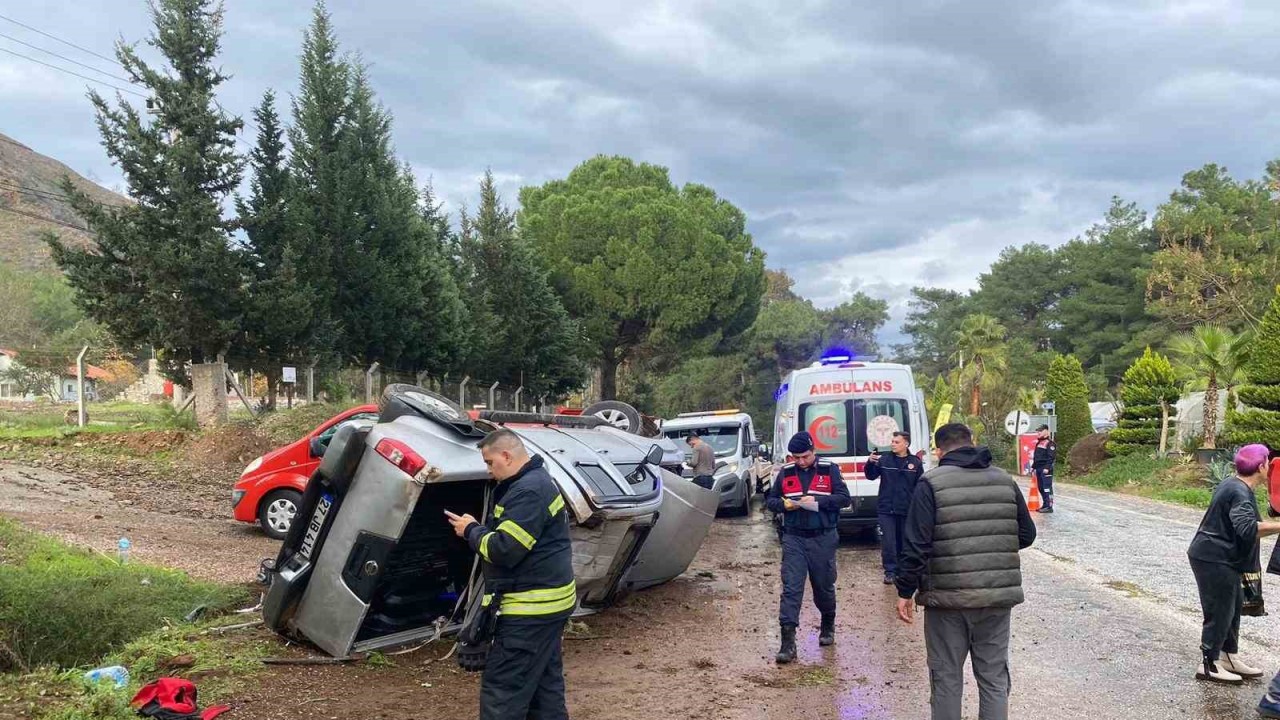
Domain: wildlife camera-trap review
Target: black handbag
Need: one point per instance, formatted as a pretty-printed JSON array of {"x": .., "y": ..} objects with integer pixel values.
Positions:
[{"x": 1251, "y": 584}]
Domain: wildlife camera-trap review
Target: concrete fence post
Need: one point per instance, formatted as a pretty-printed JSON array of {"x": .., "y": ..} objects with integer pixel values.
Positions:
[
  {"x": 462, "y": 392},
  {"x": 368, "y": 383},
  {"x": 519, "y": 390},
  {"x": 81, "y": 418}
]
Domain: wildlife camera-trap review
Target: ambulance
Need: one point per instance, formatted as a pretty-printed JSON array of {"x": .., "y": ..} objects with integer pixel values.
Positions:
[{"x": 852, "y": 408}]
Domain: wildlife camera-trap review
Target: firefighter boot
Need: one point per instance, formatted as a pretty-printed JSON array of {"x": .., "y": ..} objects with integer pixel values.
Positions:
[
  {"x": 787, "y": 652},
  {"x": 827, "y": 635}
]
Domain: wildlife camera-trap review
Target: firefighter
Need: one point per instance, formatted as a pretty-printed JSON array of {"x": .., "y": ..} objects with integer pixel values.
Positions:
[
  {"x": 809, "y": 494},
  {"x": 1042, "y": 465},
  {"x": 528, "y": 575}
]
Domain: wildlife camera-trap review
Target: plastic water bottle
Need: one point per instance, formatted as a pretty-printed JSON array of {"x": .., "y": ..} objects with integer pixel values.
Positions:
[
  {"x": 115, "y": 673},
  {"x": 124, "y": 546}
]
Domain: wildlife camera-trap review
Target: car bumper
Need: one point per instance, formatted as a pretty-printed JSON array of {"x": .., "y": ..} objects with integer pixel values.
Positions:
[
  {"x": 730, "y": 489},
  {"x": 859, "y": 516}
]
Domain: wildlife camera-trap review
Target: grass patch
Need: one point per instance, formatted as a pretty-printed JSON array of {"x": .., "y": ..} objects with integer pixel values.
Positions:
[
  {"x": 816, "y": 677},
  {"x": 66, "y": 606},
  {"x": 1181, "y": 483},
  {"x": 218, "y": 664},
  {"x": 44, "y": 419},
  {"x": 285, "y": 426}
]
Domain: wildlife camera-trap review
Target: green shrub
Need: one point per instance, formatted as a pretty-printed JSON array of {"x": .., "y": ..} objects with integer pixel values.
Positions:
[
  {"x": 1141, "y": 436},
  {"x": 1149, "y": 382},
  {"x": 1065, "y": 386},
  {"x": 68, "y": 606},
  {"x": 1132, "y": 469},
  {"x": 1263, "y": 397},
  {"x": 1117, "y": 449}
]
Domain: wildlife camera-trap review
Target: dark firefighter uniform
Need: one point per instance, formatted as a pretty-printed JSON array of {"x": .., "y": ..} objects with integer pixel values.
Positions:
[
  {"x": 898, "y": 477},
  {"x": 1042, "y": 460},
  {"x": 809, "y": 541},
  {"x": 528, "y": 570}
]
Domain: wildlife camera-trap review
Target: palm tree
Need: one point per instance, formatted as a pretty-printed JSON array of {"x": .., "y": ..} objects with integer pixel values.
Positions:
[
  {"x": 1216, "y": 355},
  {"x": 980, "y": 351}
]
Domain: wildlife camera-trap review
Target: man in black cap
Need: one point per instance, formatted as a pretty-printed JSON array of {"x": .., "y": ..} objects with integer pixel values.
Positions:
[
  {"x": 1042, "y": 465},
  {"x": 809, "y": 494}
]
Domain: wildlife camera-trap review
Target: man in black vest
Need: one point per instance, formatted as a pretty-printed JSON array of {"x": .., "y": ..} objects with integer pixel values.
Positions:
[
  {"x": 967, "y": 522},
  {"x": 809, "y": 493},
  {"x": 528, "y": 572}
]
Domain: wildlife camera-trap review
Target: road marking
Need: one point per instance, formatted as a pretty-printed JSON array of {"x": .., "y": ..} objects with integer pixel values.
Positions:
[{"x": 1149, "y": 516}]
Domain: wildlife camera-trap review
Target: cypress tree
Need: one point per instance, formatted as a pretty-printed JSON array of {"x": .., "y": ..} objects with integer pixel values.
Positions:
[{"x": 1066, "y": 388}]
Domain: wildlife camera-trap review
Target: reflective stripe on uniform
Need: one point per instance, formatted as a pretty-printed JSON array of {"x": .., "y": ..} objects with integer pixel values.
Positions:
[
  {"x": 497, "y": 511},
  {"x": 556, "y": 505},
  {"x": 511, "y": 528},
  {"x": 486, "y": 600},
  {"x": 484, "y": 546},
  {"x": 543, "y": 601}
]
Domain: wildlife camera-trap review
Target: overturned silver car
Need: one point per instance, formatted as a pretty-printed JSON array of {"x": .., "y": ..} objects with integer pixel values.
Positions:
[{"x": 376, "y": 564}]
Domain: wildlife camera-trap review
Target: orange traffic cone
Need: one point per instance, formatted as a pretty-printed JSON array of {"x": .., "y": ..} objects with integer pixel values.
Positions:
[{"x": 1033, "y": 499}]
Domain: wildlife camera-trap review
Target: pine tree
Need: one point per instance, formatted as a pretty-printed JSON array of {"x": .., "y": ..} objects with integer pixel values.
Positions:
[
  {"x": 1148, "y": 383},
  {"x": 522, "y": 334},
  {"x": 164, "y": 271},
  {"x": 1260, "y": 421},
  {"x": 318, "y": 204},
  {"x": 1066, "y": 388},
  {"x": 281, "y": 304}
]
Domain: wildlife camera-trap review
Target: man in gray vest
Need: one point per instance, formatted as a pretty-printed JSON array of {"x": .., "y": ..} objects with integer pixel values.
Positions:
[{"x": 965, "y": 526}]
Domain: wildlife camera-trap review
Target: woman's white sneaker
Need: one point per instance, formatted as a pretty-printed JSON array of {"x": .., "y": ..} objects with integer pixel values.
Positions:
[
  {"x": 1215, "y": 672},
  {"x": 1232, "y": 663}
]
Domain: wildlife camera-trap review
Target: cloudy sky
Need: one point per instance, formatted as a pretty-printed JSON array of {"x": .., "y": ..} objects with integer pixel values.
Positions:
[{"x": 871, "y": 149}]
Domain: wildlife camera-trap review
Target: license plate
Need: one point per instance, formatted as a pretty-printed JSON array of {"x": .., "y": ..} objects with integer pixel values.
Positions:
[{"x": 314, "y": 527}]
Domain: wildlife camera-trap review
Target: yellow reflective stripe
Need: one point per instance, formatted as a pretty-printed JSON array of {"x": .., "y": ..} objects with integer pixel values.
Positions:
[
  {"x": 556, "y": 505},
  {"x": 484, "y": 546},
  {"x": 511, "y": 528},
  {"x": 545, "y": 608},
  {"x": 497, "y": 511},
  {"x": 543, "y": 594},
  {"x": 487, "y": 600}
]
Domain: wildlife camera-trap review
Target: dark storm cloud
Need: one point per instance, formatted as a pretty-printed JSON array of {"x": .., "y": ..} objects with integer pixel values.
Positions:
[{"x": 861, "y": 141}]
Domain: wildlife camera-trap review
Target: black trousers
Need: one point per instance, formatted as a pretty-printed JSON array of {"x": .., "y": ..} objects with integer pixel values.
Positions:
[
  {"x": 1221, "y": 597},
  {"x": 524, "y": 675},
  {"x": 1044, "y": 478},
  {"x": 892, "y": 528},
  {"x": 706, "y": 481},
  {"x": 813, "y": 557}
]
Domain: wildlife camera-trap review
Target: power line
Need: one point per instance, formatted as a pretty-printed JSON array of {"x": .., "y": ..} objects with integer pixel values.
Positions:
[
  {"x": 64, "y": 57},
  {"x": 72, "y": 72},
  {"x": 56, "y": 222},
  {"x": 64, "y": 42}
]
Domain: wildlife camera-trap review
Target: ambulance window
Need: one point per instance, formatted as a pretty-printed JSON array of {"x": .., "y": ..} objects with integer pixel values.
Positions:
[
  {"x": 878, "y": 420},
  {"x": 828, "y": 423}
]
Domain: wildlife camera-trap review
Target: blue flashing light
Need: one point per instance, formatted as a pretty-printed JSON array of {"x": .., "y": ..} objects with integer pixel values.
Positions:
[
  {"x": 836, "y": 355},
  {"x": 782, "y": 390}
]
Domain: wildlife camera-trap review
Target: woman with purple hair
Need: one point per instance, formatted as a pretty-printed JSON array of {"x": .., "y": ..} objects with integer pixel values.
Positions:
[{"x": 1224, "y": 548}]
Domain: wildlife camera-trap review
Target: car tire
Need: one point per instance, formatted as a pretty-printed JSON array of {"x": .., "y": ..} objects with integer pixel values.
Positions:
[
  {"x": 428, "y": 404},
  {"x": 745, "y": 508},
  {"x": 277, "y": 511},
  {"x": 618, "y": 414}
]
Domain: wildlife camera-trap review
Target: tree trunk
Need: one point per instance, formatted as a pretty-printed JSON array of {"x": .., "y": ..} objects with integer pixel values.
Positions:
[
  {"x": 608, "y": 376},
  {"x": 975, "y": 399},
  {"x": 1211, "y": 413}
]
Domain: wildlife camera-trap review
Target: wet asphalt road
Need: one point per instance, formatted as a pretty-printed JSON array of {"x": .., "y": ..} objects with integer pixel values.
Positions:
[{"x": 1111, "y": 626}]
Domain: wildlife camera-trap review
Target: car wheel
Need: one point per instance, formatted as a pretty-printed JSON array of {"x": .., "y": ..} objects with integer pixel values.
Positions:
[
  {"x": 397, "y": 397},
  {"x": 277, "y": 510},
  {"x": 618, "y": 414},
  {"x": 745, "y": 508}
]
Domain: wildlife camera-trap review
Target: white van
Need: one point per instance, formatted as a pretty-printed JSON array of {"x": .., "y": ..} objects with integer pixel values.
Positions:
[
  {"x": 851, "y": 408},
  {"x": 732, "y": 436}
]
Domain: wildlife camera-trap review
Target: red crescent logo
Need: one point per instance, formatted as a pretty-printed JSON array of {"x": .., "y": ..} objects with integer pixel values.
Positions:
[{"x": 824, "y": 428}]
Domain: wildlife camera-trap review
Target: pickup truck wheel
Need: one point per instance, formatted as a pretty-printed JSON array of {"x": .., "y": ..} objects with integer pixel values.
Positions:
[
  {"x": 744, "y": 509},
  {"x": 277, "y": 510},
  {"x": 427, "y": 404},
  {"x": 618, "y": 414}
]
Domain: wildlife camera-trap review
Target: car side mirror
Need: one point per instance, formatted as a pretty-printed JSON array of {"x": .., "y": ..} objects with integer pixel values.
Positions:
[
  {"x": 318, "y": 447},
  {"x": 655, "y": 455}
]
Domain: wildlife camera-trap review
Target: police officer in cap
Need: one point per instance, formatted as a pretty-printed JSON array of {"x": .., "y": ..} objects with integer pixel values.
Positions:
[
  {"x": 1042, "y": 465},
  {"x": 809, "y": 494}
]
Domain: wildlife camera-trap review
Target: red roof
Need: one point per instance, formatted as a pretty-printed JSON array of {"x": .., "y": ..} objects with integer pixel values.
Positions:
[{"x": 91, "y": 372}]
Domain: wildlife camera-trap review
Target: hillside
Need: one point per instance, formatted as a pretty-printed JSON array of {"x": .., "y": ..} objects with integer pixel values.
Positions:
[{"x": 30, "y": 189}]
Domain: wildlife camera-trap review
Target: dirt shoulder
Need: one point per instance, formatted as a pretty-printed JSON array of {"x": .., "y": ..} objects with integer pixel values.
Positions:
[{"x": 165, "y": 524}]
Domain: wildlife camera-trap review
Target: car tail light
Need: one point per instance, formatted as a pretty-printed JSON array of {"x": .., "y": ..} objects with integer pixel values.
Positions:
[{"x": 401, "y": 456}]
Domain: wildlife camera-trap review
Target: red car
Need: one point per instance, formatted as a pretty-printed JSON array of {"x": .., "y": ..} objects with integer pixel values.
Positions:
[{"x": 271, "y": 486}]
